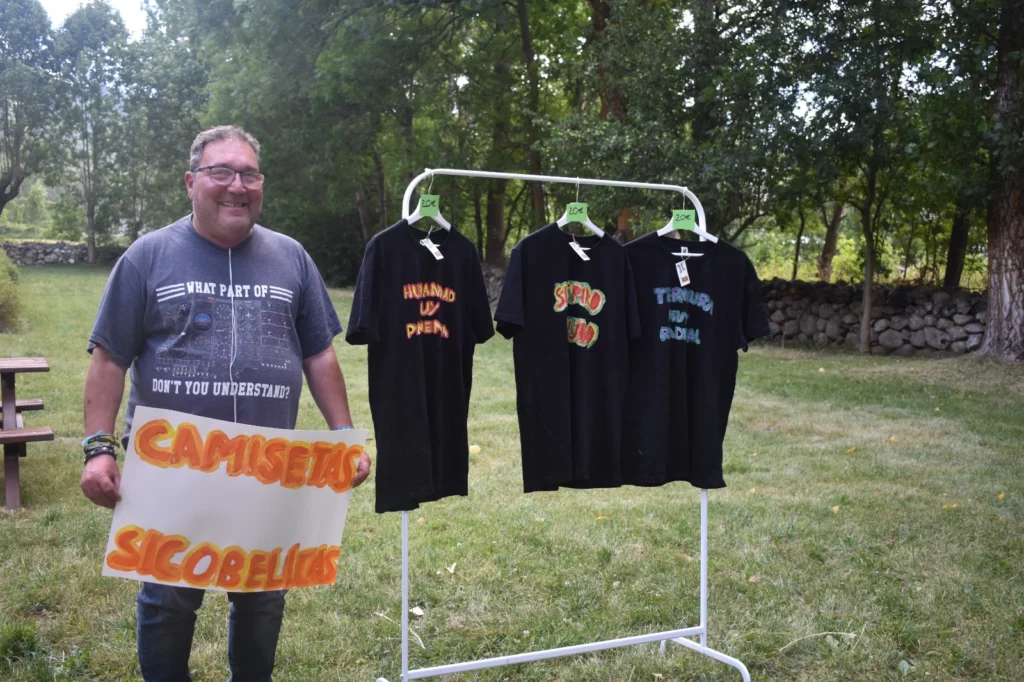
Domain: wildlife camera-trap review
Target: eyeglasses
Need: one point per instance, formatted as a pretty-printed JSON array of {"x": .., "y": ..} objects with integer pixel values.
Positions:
[{"x": 222, "y": 175}]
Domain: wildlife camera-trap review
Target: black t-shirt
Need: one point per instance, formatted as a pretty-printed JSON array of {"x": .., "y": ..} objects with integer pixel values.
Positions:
[
  {"x": 571, "y": 321},
  {"x": 683, "y": 366},
  {"x": 422, "y": 318}
]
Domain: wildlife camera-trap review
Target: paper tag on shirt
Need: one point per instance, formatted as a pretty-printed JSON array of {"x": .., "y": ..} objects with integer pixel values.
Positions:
[
  {"x": 684, "y": 276},
  {"x": 432, "y": 247},
  {"x": 579, "y": 250}
]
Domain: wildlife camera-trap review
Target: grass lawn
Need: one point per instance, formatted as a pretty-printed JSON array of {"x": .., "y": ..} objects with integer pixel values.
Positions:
[{"x": 879, "y": 497}]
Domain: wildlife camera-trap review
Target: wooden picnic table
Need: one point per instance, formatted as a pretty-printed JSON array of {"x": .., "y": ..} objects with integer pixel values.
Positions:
[{"x": 13, "y": 434}]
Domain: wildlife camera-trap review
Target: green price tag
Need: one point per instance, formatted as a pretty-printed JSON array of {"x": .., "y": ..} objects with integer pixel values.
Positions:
[
  {"x": 430, "y": 205},
  {"x": 576, "y": 213},
  {"x": 684, "y": 219}
]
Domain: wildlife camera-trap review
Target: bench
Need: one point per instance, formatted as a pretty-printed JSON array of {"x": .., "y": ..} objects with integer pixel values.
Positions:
[{"x": 13, "y": 434}]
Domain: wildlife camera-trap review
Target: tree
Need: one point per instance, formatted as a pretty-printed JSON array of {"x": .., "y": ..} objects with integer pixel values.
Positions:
[
  {"x": 35, "y": 210},
  {"x": 25, "y": 80},
  {"x": 164, "y": 86},
  {"x": 91, "y": 49},
  {"x": 701, "y": 104},
  {"x": 1004, "y": 333},
  {"x": 959, "y": 81},
  {"x": 832, "y": 218},
  {"x": 861, "y": 54}
]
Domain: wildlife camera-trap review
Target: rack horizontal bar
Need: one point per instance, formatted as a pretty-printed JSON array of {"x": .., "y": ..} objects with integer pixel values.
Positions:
[{"x": 552, "y": 653}]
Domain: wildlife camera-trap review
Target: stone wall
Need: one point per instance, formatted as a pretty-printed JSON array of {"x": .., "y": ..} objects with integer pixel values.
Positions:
[
  {"x": 494, "y": 277},
  {"x": 905, "y": 320},
  {"x": 56, "y": 253}
]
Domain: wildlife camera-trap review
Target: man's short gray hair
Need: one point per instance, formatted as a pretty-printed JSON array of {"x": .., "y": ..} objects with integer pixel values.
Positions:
[{"x": 219, "y": 134}]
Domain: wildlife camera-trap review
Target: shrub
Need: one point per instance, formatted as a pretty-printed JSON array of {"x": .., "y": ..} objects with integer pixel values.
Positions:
[{"x": 10, "y": 301}]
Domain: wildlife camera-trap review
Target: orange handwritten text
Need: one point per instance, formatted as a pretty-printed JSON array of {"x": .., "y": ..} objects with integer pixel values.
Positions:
[
  {"x": 428, "y": 290},
  {"x": 581, "y": 332},
  {"x": 578, "y": 293},
  {"x": 421, "y": 327},
  {"x": 152, "y": 553},
  {"x": 277, "y": 461}
]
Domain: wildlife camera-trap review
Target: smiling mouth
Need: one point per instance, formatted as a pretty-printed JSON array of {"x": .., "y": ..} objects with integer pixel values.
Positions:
[{"x": 228, "y": 204}]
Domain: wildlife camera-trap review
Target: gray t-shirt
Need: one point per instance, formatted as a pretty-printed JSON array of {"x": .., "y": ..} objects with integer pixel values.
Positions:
[{"x": 168, "y": 312}]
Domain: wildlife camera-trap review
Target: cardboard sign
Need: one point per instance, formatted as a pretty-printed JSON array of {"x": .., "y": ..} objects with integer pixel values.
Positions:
[{"x": 224, "y": 506}]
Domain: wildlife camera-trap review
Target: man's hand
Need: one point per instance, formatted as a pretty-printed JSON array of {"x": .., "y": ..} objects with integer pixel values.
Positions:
[
  {"x": 101, "y": 481},
  {"x": 104, "y": 388},
  {"x": 362, "y": 471}
]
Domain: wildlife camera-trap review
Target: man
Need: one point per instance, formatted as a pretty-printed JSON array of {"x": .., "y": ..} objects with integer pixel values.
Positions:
[{"x": 212, "y": 298}]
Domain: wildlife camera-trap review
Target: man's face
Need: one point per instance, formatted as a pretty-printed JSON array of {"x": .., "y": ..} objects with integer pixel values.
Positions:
[{"x": 225, "y": 214}]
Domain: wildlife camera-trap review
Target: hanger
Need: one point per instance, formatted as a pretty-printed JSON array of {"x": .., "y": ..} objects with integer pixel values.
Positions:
[
  {"x": 429, "y": 206},
  {"x": 686, "y": 220},
  {"x": 579, "y": 215}
]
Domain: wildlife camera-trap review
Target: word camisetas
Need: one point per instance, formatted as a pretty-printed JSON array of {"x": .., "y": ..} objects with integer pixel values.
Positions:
[{"x": 274, "y": 461}]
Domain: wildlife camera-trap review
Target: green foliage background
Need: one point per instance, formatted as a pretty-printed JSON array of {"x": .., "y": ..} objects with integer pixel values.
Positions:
[{"x": 766, "y": 110}]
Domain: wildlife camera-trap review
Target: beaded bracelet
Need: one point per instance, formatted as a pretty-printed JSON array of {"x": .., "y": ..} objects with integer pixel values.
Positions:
[{"x": 100, "y": 443}]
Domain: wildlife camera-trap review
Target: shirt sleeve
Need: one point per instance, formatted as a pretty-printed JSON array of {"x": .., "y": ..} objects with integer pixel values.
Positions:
[
  {"x": 120, "y": 321},
  {"x": 509, "y": 315},
  {"x": 317, "y": 323},
  {"x": 754, "y": 318},
  {"x": 480, "y": 310},
  {"x": 363, "y": 321},
  {"x": 632, "y": 310}
]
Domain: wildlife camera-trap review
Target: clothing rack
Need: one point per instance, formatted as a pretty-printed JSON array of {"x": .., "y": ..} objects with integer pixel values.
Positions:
[{"x": 679, "y": 636}]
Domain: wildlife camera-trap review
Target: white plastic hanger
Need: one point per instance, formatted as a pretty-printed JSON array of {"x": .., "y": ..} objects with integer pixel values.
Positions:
[
  {"x": 564, "y": 220},
  {"x": 684, "y": 253},
  {"x": 439, "y": 219}
]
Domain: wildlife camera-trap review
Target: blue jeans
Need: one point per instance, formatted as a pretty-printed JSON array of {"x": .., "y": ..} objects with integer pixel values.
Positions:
[{"x": 167, "y": 620}]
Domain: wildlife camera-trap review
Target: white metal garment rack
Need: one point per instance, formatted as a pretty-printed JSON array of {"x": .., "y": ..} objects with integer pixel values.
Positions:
[{"x": 679, "y": 636}]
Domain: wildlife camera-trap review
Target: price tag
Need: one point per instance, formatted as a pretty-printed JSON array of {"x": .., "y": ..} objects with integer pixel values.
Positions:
[
  {"x": 684, "y": 276},
  {"x": 430, "y": 204},
  {"x": 576, "y": 213},
  {"x": 684, "y": 219},
  {"x": 579, "y": 250},
  {"x": 432, "y": 248}
]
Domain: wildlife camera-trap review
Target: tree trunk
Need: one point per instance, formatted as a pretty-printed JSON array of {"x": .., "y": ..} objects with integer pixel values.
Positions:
[
  {"x": 707, "y": 117},
  {"x": 537, "y": 205},
  {"x": 10, "y": 185},
  {"x": 1004, "y": 333},
  {"x": 404, "y": 116},
  {"x": 495, "y": 250},
  {"x": 624, "y": 225},
  {"x": 479, "y": 225},
  {"x": 957, "y": 243},
  {"x": 382, "y": 188},
  {"x": 828, "y": 251},
  {"x": 869, "y": 259},
  {"x": 613, "y": 103},
  {"x": 91, "y": 232},
  {"x": 364, "y": 212},
  {"x": 799, "y": 241}
]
